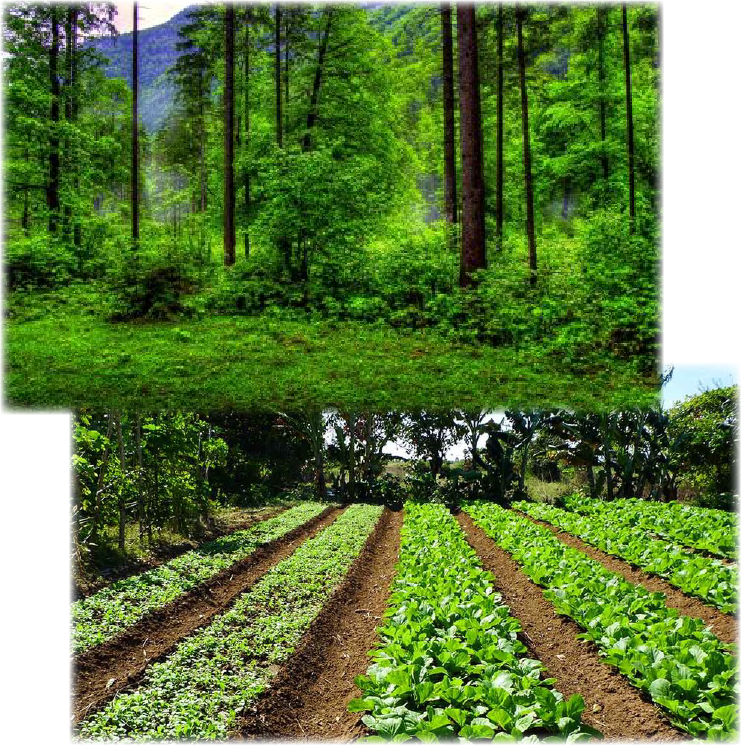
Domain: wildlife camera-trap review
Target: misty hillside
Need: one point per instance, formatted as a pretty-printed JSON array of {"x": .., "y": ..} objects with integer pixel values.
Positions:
[{"x": 157, "y": 54}]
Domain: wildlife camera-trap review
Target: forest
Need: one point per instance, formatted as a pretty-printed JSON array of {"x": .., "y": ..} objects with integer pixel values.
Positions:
[{"x": 332, "y": 205}]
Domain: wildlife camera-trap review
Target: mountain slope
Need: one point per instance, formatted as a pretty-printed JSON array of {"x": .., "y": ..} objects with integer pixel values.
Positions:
[{"x": 157, "y": 54}]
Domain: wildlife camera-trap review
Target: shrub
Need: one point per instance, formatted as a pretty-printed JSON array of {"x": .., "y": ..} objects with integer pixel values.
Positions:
[
  {"x": 37, "y": 262},
  {"x": 152, "y": 282}
]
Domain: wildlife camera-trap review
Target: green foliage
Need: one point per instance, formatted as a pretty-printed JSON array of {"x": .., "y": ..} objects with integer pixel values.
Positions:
[
  {"x": 450, "y": 662},
  {"x": 213, "y": 675},
  {"x": 153, "y": 281},
  {"x": 708, "y": 530},
  {"x": 674, "y": 659},
  {"x": 706, "y": 428},
  {"x": 709, "y": 579},
  {"x": 105, "y": 614}
]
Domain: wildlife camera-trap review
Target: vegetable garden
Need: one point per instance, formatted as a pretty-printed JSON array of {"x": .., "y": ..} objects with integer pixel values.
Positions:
[{"x": 472, "y": 621}]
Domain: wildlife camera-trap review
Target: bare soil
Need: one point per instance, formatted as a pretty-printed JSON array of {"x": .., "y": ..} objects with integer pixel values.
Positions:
[
  {"x": 309, "y": 696},
  {"x": 99, "y": 673},
  {"x": 613, "y": 706},
  {"x": 89, "y": 581},
  {"x": 724, "y": 626}
]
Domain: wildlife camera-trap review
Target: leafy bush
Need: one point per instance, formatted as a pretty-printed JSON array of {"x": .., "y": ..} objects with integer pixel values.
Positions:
[
  {"x": 153, "y": 282},
  {"x": 37, "y": 262}
]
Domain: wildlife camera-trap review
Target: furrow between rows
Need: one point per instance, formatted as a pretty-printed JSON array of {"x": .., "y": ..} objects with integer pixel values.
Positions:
[{"x": 100, "y": 673}]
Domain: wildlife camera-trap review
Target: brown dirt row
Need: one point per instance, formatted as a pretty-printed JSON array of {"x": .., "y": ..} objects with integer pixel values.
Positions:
[
  {"x": 101, "y": 672},
  {"x": 724, "y": 626},
  {"x": 700, "y": 551},
  {"x": 613, "y": 706},
  {"x": 84, "y": 587},
  {"x": 309, "y": 696}
]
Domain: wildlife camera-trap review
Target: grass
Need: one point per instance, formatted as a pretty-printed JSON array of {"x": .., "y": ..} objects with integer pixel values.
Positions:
[{"x": 72, "y": 359}]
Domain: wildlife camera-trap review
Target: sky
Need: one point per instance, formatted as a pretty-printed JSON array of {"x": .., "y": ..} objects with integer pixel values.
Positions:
[
  {"x": 689, "y": 380},
  {"x": 151, "y": 13}
]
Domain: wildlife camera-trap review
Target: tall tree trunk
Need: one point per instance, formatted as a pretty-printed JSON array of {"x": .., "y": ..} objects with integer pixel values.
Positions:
[
  {"x": 229, "y": 234},
  {"x": 52, "y": 189},
  {"x": 629, "y": 114},
  {"x": 590, "y": 481},
  {"x": 135, "y": 138},
  {"x": 661, "y": 35},
  {"x": 77, "y": 227},
  {"x": 311, "y": 117},
  {"x": 202, "y": 153},
  {"x": 278, "y": 110},
  {"x": 26, "y": 219},
  {"x": 101, "y": 481},
  {"x": 473, "y": 235},
  {"x": 523, "y": 466},
  {"x": 500, "y": 125},
  {"x": 607, "y": 456},
  {"x": 285, "y": 55},
  {"x": 566, "y": 193},
  {"x": 247, "y": 205},
  {"x": 68, "y": 84},
  {"x": 601, "y": 30},
  {"x": 121, "y": 492},
  {"x": 140, "y": 475},
  {"x": 451, "y": 199},
  {"x": 519, "y": 12}
]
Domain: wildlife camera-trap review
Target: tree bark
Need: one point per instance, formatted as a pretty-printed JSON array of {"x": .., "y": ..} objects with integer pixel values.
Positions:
[
  {"x": 229, "y": 234},
  {"x": 101, "y": 480},
  {"x": 311, "y": 117},
  {"x": 473, "y": 236},
  {"x": 451, "y": 199},
  {"x": 278, "y": 110},
  {"x": 500, "y": 126},
  {"x": 607, "y": 456},
  {"x": 52, "y": 189},
  {"x": 590, "y": 480},
  {"x": 247, "y": 201},
  {"x": 661, "y": 35},
  {"x": 68, "y": 85},
  {"x": 121, "y": 492},
  {"x": 629, "y": 115},
  {"x": 526, "y": 151},
  {"x": 140, "y": 464},
  {"x": 135, "y": 131},
  {"x": 601, "y": 17}
]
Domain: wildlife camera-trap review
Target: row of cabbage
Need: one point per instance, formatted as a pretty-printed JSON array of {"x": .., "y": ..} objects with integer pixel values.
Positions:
[
  {"x": 450, "y": 664},
  {"x": 708, "y": 579},
  {"x": 676, "y": 660},
  {"x": 714, "y": 531},
  {"x": 199, "y": 690},
  {"x": 109, "y": 612}
]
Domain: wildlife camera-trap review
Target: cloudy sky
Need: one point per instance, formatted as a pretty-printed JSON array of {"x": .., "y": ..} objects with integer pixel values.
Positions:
[{"x": 151, "y": 13}]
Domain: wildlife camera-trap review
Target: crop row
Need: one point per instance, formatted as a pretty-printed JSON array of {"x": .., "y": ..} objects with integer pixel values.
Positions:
[
  {"x": 108, "y": 612},
  {"x": 451, "y": 664},
  {"x": 713, "y": 531},
  {"x": 200, "y": 689},
  {"x": 676, "y": 660},
  {"x": 708, "y": 579}
]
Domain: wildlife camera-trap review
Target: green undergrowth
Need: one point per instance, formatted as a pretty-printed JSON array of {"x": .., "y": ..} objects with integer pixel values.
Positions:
[
  {"x": 201, "y": 688},
  {"x": 675, "y": 660},
  {"x": 700, "y": 576},
  {"x": 108, "y": 612},
  {"x": 72, "y": 359},
  {"x": 450, "y": 664}
]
